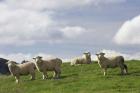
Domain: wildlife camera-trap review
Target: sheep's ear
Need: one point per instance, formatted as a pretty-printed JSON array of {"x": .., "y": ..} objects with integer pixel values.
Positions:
[
  {"x": 96, "y": 54},
  {"x": 40, "y": 57},
  {"x": 89, "y": 53},
  {"x": 85, "y": 53},
  {"x": 103, "y": 53},
  {"x": 34, "y": 58}
]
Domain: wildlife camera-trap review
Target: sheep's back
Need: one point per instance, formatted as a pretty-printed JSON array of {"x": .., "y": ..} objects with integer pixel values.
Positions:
[
  {"x": 117, "y": 59},
  {"x": 26, "y": 67},
  {"x": 78, "y": 60},
  {"x": 51, "y": 64}
]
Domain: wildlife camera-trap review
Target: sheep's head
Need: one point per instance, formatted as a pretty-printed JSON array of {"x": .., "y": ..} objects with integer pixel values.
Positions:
[
  {"x": 38, "y": 59},
  {"x": 88, "y": 56},
  {"x": 100, "y": 55},
  {"x": 11, "y": 63}
]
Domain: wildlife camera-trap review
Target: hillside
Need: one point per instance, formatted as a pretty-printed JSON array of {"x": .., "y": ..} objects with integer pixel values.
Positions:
[{"x": 78, "y": 79}]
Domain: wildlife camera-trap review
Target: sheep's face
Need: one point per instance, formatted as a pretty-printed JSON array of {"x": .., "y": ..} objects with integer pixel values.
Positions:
[
  {"x": 100, "y": 55},
  {"x": 38, "y": 59},
  {"x": 87, "y": 55},
  {"x": 11, "y": 63}
]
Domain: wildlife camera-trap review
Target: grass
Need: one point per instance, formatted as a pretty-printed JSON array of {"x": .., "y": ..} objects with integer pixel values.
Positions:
[{"x": 78, "y": 79}]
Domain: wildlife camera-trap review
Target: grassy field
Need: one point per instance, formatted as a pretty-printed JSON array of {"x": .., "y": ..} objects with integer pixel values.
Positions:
[{"x": 78, "y": 79}]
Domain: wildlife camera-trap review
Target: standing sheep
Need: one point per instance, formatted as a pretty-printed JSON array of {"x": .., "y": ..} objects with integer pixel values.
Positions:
[
  {"x": 21, "y": 69},
  {"x": 113, "y": 62},
  {"x": 48, "y": 65},
  {"x": 85, "y": 59}
]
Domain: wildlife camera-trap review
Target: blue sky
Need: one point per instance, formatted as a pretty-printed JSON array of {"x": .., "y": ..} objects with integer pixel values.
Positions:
[{"x": 68, "y": 28}]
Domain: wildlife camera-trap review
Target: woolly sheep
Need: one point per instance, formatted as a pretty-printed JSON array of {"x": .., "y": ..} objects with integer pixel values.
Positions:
[
  {"x": 21, "y": 69},
  {"x": 113, "y": 62},
  {"x": 48, "y": 65},
  {"x": 85, "y": 59}
]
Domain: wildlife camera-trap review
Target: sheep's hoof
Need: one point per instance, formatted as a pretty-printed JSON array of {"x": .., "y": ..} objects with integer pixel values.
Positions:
[
  {"x": 45, "y": 78},
  {"x": 32, "y": 79},
  {"x": 56, "y": 78}
]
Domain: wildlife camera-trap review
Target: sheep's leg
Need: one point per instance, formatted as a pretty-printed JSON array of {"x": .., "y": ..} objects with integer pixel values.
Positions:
[
  {"x": 105, "y": 71},
  {"x": 122, "y": 69},
  {"x": 57, "y": 73},
  {"x": 33, "y": 76},
  {"x": 44, "y": 74},
  {"x": 17, "y": 79}
]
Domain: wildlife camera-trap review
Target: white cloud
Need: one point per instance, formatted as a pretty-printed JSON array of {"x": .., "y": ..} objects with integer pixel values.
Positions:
[
  {"x": 72, "y": 31},
  {"x": 19, "y": 57},
  {"x": 22, "y": 22},
  {"x": 20, "y": 26},
  {"x": 129, "y": 33}
]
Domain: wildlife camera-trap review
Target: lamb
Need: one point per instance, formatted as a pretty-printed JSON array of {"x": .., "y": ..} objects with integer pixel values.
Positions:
[
  {"x": 85, "y": 59},
  {"x": 48, "y": 65},
  {"x": 113, "y": 62},
  {"x": 21, "y": 69}
]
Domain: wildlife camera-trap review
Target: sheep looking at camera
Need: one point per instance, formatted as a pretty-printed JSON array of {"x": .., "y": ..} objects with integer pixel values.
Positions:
[
  {"x": 21, "y": 69},
  {"x": 113, "y": 62},
  {"x": 85, "y": 59},
  {"x": 48, "y": 65}
]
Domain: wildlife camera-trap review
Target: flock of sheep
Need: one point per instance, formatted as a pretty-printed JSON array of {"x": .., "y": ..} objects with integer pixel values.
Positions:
[{"x": 54, "y": 64}]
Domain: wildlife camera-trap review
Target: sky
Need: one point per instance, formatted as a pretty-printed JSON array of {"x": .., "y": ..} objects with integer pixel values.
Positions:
[{"x": 67, "y": 28}]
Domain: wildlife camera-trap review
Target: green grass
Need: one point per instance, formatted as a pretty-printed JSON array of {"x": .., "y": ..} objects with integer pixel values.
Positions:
[{"x": 78, "y": 79}]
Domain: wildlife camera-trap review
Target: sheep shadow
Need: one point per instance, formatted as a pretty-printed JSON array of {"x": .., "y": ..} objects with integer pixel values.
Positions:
[{"x": 68, "y": 76}]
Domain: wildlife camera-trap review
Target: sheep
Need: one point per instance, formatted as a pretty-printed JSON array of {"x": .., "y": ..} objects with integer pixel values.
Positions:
[
  {"x": 113, "y": 62},
  {"x": 48, "y": 65},
  {"x": 85, "y": 59},
  {"x": 21, "y": 69}
]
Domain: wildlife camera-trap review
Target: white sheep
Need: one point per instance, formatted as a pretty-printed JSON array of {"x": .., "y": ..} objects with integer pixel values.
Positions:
[
  {"x": 21, "y": 69},
  {"x": 48, "y": 65},
  {"x": 85, "y": 59},
  {"x": 113, "y": 62}
]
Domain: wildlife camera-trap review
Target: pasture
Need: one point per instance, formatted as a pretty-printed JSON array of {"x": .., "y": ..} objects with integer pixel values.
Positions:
[{"x": 78, "y": 79}]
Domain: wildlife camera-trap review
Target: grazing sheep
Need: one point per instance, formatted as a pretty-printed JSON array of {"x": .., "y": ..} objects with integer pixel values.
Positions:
[
  {"x": 113, "y": 62},
  {"x": 85, "y": 59},
  {"x": 21, "y": 69},
  {"x": 48, "y": 65}
]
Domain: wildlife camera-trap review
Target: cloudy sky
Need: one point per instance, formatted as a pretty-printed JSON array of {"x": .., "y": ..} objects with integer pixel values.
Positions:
[{"x": 67, "y": 28}]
